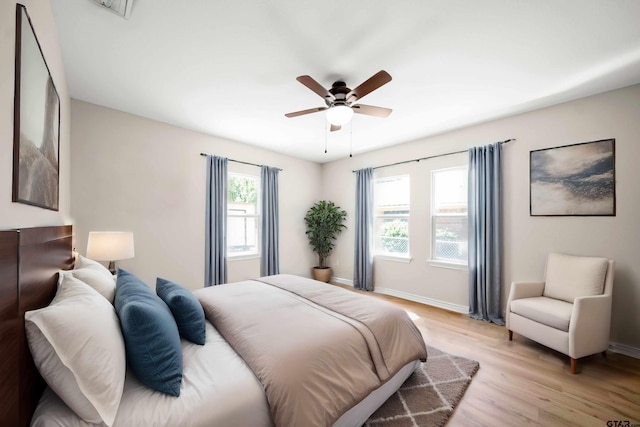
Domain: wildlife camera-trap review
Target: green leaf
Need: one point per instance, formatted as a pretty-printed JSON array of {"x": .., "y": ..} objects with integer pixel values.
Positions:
[{"x": 324, "y": 221}]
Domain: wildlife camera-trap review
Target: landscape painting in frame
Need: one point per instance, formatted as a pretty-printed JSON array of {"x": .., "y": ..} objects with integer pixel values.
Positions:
[
  {"x": 574, "y": 180},
  {"x": 36, "y": 142}
]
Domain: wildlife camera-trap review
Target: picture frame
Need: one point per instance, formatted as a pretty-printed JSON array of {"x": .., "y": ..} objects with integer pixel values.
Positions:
[
  {"x": 36, "y": 136},
  {"x": 573, "y": 180},
  {"x": 119, "y": 7}
]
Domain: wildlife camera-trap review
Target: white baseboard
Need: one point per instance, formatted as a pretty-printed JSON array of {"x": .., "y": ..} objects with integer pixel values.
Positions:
[
  {"x": 342, "y": 281},
  {"x": 411, "y": 297},
  {"x": 457, "y": 308},
  {"x": 625, "y": 349}
]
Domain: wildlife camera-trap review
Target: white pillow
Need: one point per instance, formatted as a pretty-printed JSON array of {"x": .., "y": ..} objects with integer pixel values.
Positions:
[
  {"x": 95, "y": 275},
  {"x": 104, "y": 284},
  {"x": 83, "y": 262},
  {"x": 569, "y": 277},
  {"x": 78, "y": 349}
]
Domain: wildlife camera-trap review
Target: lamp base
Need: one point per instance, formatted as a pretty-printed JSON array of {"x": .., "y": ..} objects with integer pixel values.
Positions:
[{"x": 112, "y": 267}]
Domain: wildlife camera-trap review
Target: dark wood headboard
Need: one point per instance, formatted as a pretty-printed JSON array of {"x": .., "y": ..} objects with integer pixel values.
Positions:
[{"x": 29, "y": 262}]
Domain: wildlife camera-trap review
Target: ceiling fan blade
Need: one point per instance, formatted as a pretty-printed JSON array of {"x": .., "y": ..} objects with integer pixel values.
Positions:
[
  {"x": 303, "y": 112},
  {"x": 309, "y": 82},
  {"x": 371, "y": 110},
  {"x": 372, "y": 83},
  {"x": 335, "y": 128}
]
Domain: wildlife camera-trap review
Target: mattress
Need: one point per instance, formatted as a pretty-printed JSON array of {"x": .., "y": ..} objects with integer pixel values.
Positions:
[
  {"x": 360, "y": 413},
  {"x": 218, "y": 389}
]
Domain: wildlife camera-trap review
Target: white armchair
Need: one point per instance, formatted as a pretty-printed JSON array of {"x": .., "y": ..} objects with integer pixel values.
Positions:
[{"x": 570, "y": 311}]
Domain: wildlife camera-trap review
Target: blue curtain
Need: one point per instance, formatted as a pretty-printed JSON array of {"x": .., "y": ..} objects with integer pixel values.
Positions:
[
  {"x": 270, "y": 254},
  {"x": 485, "y": 233},
  {"x": 363, "y": 262},
  {"x": 215, "y": 263}
]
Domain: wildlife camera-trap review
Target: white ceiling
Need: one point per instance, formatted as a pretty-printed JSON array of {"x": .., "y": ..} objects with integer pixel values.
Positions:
[{"x": 228, "y": 67}]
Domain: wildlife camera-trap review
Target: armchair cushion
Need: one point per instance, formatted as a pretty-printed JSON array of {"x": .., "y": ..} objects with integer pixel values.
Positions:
[
  {"x": 548, "y": 311},
  {"x": 569, "y": 277}
]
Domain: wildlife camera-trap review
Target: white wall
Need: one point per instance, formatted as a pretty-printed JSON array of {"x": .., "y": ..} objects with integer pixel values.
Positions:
[
  {"x": 527, "y": 239},
  {"x": 135, "y": 174},
  {"x": 14, "y": 215}
]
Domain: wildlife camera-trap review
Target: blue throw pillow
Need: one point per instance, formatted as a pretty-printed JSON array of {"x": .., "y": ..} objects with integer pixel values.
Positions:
[
  {"x": 150, "y": 333},
  {"x": 186, "y": 309}
]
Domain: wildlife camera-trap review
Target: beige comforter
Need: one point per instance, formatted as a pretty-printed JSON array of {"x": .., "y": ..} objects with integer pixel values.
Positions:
[{"x": 317, "y": 349}]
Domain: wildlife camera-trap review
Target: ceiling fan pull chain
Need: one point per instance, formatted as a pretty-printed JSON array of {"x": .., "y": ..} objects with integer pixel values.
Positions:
[
  {"x": 351, "y": 139},
  {"x": 326, "y": 131}
]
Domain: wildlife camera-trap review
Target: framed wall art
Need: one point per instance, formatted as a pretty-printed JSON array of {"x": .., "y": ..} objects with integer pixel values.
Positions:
[
  {"x": 36, "y": 135},
  {"x": 573, "y": 180}
]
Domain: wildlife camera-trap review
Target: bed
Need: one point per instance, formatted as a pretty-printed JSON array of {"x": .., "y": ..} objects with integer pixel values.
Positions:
[{"x": 229, "y": 380}]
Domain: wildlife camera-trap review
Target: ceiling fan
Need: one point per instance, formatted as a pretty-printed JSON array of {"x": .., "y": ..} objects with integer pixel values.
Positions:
[{"x": 341, "y": 101}]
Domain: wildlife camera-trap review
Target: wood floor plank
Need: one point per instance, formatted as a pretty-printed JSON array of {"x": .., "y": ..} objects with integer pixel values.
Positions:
[{"x": 521, "y": 382}]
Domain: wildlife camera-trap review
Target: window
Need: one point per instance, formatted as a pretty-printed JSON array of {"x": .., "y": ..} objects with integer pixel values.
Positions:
[
  {"x": 449, "y": 234},
  {"x": 243, "y": 215},
  {"x": 391, "y": 216}
]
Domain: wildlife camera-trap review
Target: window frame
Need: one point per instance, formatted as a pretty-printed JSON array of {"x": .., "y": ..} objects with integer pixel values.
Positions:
[
  {"x": 377, "y": 252},
  {"x": 236, "y": 256},
  {"x": 444, "y": 262}
]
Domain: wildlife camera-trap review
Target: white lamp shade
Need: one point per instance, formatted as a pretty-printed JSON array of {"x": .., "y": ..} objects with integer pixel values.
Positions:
[
  {"x": 110, "y": 245},
  {"x": 339, "y": 115}
]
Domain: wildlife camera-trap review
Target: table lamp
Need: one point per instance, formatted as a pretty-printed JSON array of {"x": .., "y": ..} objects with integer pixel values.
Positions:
[{"x": 110, "y": 246}]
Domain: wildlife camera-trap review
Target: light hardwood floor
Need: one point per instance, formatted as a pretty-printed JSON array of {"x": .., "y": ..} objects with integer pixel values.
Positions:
[{"x": 524, "y": 383}]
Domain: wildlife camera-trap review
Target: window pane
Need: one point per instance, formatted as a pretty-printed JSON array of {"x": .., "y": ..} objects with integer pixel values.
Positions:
[
  {"x": 242, "y": 234},
  {"x": 391, "y": 224},
  {"x": 393, "y": 191},
  {"x": 243, "y": 220},
  {"x": 450, "y": 190},
  {"x": 451, "y": 238},
  {"x": 243, "y": 189},
  {"x": 392, "y": 235}
]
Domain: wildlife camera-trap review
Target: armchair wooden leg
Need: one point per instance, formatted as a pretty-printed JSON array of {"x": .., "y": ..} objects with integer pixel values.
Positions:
[
  {"x": 510, "y": 335},
  {"x": 574, "y": 366}
]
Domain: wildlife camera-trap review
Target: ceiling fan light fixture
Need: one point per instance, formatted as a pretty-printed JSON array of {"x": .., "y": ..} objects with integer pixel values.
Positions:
[{"x": 339, "y": 115}]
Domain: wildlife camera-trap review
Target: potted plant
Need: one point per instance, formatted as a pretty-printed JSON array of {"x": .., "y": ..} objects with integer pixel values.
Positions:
[{"x": 324, "y": 222}]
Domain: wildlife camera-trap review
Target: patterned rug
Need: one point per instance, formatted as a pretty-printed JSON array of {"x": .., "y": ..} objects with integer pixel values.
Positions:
[{"x": 429, "y": 395}]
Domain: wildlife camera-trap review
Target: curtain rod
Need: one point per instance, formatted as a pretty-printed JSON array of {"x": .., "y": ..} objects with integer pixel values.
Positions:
[
  {"x": 432, "y": 157},
  {"x": 239, "y": 161}
]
